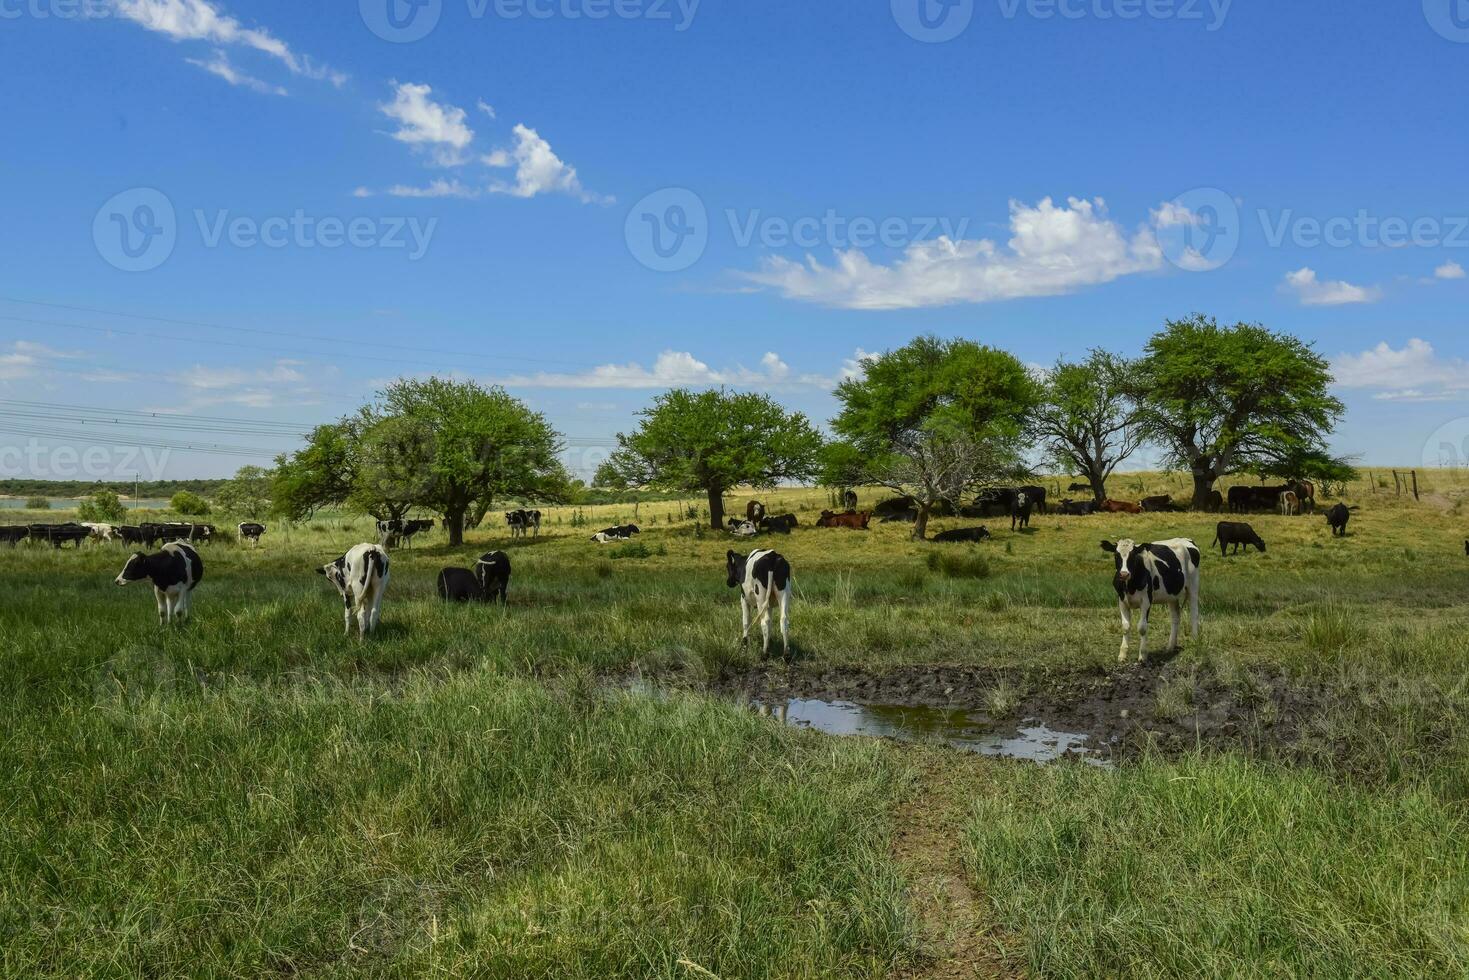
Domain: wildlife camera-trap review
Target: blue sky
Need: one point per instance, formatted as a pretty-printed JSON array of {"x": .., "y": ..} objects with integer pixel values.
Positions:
[{"x": 262, "y": 211}]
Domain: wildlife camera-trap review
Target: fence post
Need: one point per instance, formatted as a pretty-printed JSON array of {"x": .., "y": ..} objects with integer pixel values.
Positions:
[{"x": 1415, "y": 484}]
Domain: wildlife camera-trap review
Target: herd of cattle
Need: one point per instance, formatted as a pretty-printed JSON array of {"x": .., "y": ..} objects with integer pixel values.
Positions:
[{"x": 147, "y": 534}]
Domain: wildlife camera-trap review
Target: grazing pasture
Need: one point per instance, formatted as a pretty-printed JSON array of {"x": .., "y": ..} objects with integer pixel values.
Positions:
[{"x": 564, "y": 786}]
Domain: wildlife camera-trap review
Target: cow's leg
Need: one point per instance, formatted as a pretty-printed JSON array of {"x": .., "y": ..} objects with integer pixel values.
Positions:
[
  {"x": 377, "y": 610},
  {"x": 1126, "y": 630},
  {"x": 764, "y": 615},
  {"x": 1177, "y": 611},
  {"x": 744, "y": 619},
  {"x": 1142, "y": 629},
  {"x": 161, "y": 599},
  {"x": 347, "y": 614},
  {"x": 1193, "y": 607},
  {"x": 785, "y": 621}
]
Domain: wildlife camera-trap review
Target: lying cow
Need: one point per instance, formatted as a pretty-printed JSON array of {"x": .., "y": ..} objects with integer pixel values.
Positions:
[
  {"x": 1234, "y": 533},
  {"x": 622, "y": 531},
  {"x": 782, "y": 524},
  {"x": 1157, "y": 504},
  {"x": 361, "y": 577},
  {"x": 744, "y": 529},
  {"x": 175, "y": 572},
  {"x": 1337, "y": 517},
  {"x": 251, "y": 532},
  {"x": 490, "y": 579},
  {"x": 1162, "y": 572},
  {"x": 603, "y": 537},
  {"x": 1078, "y": 508},
  {"x": 1119, "y": 507},
  {"x": 856, "y": 520},
  {"x": 763, "y": 578},
  {"x": 963, "y": 534}
]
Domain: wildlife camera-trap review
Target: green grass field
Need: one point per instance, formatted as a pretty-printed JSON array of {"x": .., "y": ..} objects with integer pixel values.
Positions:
[{"x": 477, "y": 790}]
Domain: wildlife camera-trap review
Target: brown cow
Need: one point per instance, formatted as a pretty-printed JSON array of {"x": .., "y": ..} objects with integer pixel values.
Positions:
[
  {"x": 754, "y": 512},
  {"x": 856, "y": 520},
  {"x": 1119, "y": 507}
]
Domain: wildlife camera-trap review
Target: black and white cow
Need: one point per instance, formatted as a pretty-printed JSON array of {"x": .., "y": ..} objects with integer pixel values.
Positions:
[
  {"x": 622, "y": 531},
  {"x": 763, "y": 578},
  {"x": 744, "y": 529},
  {"x": 101, "y": 532},
  {"x": 175, "y": 572},
  {"x": 492, "y": 571},
  {"x": 1020, "y": 510},
  {"x": 390, "y": 533},
  {"x": 1160, "y": 572},
  {"x": 606, "y": 537},
  {"x": 361, "y": 576},
  {"x": 250, "y": 531},
  {"x": 522, "y": 521}
]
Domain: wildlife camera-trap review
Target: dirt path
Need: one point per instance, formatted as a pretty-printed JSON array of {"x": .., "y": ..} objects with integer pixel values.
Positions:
[{"x": 958, "y": 938}]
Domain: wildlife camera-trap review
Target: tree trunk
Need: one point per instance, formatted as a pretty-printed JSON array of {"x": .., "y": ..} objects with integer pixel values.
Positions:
[
  {"x": 716, "y": 508},
  {"x": 920, "y": 526},
  {"x": 1099, "y": 485},
  {"x": 454, "y": 519},
  {"x": 1203, "y": 487}
]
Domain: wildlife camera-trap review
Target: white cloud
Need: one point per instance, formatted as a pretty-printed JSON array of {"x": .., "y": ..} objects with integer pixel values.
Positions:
[
  {"x": 221, "y": 67},
  {"x": 1413, "y": 373},
  {"x": 1052, "y": 250},
  {"x": 1311, "y": 291},
  {"x": 486, "y": 108},
  {"x": 538, "y": 170},
  {"x": 436, "y": 188},
  {"x": 282, "y": 372},
  {"x": 674, "y": 369},
  {"x": 26, "y": 359},
  {"x": 436, "y": 127},
  {"x": 1449, "y": 270},
  {"x": 199, "y": 20}
]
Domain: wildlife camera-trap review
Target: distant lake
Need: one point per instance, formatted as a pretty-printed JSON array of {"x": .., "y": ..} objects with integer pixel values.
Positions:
[{"x": 61, "y": 503}]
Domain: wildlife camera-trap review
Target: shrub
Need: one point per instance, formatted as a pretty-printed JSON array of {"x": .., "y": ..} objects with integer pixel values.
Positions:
[
  {"x": 958, "y": 564},
  {"x": 103, "y": 507},
  {"x": 189, "y": 504},
  {"x": 38, "y": 503}
]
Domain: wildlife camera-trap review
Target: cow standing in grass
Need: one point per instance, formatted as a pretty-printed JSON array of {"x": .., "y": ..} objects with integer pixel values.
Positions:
[
  {"x": 361, "y": 577},
  {"x": 1163, "y": 571},
  {"x": 763, "y": 578},
  {"x": 175, "y": 572}
]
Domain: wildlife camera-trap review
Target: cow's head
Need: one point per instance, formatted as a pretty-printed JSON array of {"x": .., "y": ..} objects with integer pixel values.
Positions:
[
  {"x": 735, "y": 566},
  {"x": 135, "y": 570},
  {"x": 336, "y": 573},
  {"x": 1128, "y": 555},
  {"x": 632, "y": 529}
]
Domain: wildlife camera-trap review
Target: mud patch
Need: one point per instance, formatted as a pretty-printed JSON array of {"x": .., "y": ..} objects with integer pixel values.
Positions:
[{"x": 1173, "y": 707}]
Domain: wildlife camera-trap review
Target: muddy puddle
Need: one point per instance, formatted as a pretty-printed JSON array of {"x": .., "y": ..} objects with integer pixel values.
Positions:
[{"x": 957, "y": 728}]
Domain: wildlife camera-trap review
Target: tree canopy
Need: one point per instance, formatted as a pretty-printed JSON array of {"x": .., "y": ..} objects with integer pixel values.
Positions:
[
  {"x": 1225, "y": 399},
  {"x": 935, "y": 420},
  {"x": 1088, "y": 420},
  {"x": 711, "y": 442}
]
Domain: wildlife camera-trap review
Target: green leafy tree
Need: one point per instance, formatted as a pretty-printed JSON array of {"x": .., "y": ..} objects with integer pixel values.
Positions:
[
  {"x": 392, "y": 464},
  {"x": 38, "y": 503},
  {"x": 189, "y": 504},
  {"x": 480, "y": 444},
  {"x": 1228, "y": 399},
  {"x": 711, "y": 442},
  {"x": 1088, "y": 419},
  {"x": 103, "y": 507},
  {"x": 247, "y": 494},
  {"x": 320, "y": 474},
  {"x": 935, "y": 420}
]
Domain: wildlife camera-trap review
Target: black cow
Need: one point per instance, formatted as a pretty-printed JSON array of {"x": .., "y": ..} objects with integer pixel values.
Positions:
[
  {"x": 179, "y": 531},
  {"x": 459, "y": 585},
  {"x": 780, "y": 524},
  {"x": 130, "y": 534},
  {"x": 963, "y": 534},
  {"x": 626, "y": 530},
  {"x": 1078, "y": 508},
  {"x": 492, "y": 571},
  {"x": 1228, "y": 533},
  {"x": 60, "y": 534},
  {"x": 250, "y": 531},
  {"x": 1079, "y": 488},
  {"x": 12, "y": 533},
  {"x": 1036, "y": 496},
  {"x": 1020, "y": 511},
  {"x": 850, "y": 499},
  {"x": 1337, "y": 518},
  {"x": 175, "y": 572},
  {"x": 1245, "y": 498}
]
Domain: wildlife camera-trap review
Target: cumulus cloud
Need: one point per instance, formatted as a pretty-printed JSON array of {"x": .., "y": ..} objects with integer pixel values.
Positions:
[
  {"x": 199, "y": 20},
  {"x": 435, "y": 127},
  {"x": 26, "y": 359},
  {"x": 1053, "y": 249},
  {"x": 538, "y": 170},
  {"x": 1449, "y": 270},
  {"x": 221, "y": 67},
  {"x": 1414, "y": 372},
  {"x": 673, "y": 369},
  {"x": 1312, "y": 291}
]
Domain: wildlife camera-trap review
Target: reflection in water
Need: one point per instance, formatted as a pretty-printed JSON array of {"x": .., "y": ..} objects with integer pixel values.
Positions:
[{"x": 957, "y": 728}]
